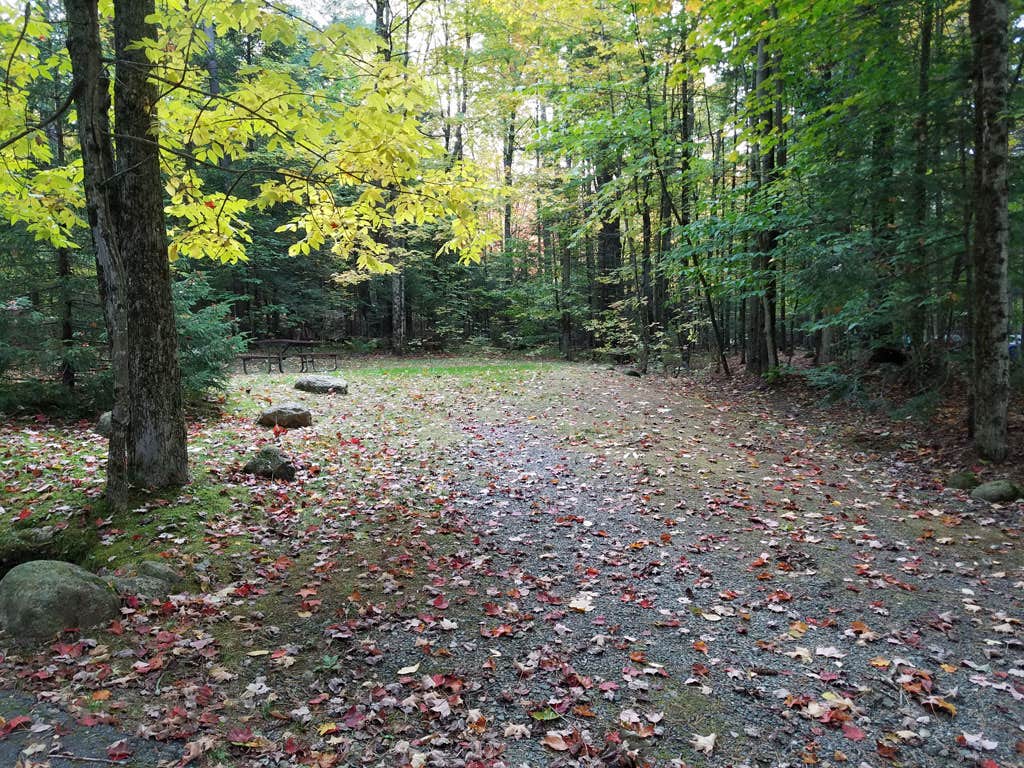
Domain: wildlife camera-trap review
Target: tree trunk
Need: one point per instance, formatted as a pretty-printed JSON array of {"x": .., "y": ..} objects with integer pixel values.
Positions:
[
  {"x": 124, "y": 196},
  {"x": 609, "y": 250},
  {"x": 398, "y": 312},
  {"x": 989, "y": 36},
  {"x": 565, "y": 321},
  {"x": 916, "y": 271},
  {"x": 508, "y": 153}
]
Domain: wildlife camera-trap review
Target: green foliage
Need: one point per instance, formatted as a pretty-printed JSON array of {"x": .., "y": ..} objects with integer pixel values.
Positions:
[
  {"x": 207, "y": 342},
  {"x": 837, "y": 384},
  {"x": 22, "y": 334}
]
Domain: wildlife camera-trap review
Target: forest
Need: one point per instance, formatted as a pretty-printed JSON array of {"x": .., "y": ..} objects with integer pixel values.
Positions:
[
  {"x": 753, "y": 184},
  {"x": 435, "y": 383}
]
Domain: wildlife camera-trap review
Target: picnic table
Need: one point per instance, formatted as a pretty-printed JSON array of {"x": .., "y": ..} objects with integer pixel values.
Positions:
[{"x": 276, "y": 351}]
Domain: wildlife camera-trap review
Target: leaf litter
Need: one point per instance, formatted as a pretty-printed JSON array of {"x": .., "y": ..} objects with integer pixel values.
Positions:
[{"x": 544, "y": 565}]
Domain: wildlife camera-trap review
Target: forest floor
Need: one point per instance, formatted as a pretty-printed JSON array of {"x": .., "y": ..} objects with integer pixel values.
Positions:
[{"x": 514, "y": 563}]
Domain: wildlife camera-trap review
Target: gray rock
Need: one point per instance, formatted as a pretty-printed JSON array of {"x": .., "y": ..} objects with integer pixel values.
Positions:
[
  {"x": 38, "y": 537},
  {"x": 42, "y": 597},
  {"x": 997, "y": 492},
  {"x": 286, "y": 415},
  {"x": 271, "y": 462},
  {"x": 150, "y": 578},
  {"x": 962, "y": 481},
  {"x": 103, "y": 424},
  {"x": 322, "y": 385},
  {"x": 154, "y": 569},
  {"x": 139, "y": 585}
]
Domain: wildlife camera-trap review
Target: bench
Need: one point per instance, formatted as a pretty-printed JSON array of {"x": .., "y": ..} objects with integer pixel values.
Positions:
[
  {"x": 310, "y": 358},
  {"x": 270, "y": 358}
]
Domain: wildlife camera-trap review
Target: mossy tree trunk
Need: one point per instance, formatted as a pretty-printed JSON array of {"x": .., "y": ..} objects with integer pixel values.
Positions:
[
  {"x": 990, "y": 37},
  {"x": 124, "y": 195}
]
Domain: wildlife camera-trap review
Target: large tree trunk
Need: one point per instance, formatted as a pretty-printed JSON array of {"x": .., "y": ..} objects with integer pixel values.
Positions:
[
  {"x": 125, "y": 204},
  {"x": 989, "y": 36},
  {"x": 156, "y": 435}
]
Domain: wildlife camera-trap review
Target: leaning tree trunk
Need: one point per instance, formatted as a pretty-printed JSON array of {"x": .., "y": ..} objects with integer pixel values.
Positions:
[
  {"x": 125, "y": 204},
  {"x": 990, "y": 40}
]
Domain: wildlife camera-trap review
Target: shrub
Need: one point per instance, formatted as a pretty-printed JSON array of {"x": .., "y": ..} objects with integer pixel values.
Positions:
[{"x": 207, "y": 342}]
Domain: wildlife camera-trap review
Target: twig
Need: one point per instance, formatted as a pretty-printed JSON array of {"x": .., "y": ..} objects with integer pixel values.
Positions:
[
  {"x": 76, "y": 758},
  {"x": 39, "y": 126}
]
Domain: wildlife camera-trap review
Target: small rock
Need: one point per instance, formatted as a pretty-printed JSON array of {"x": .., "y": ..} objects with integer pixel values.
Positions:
[
  {"x": 963, "y": 481},
  {"x": 322, "y": 385},
  {"x": 38, "y": 537},
  {"x": 154, "y": 569},
  {"x": 271, "y": 462},
  {"x": 42, "y": 597},
  {"x": 150, "y": 578},
  {"x": 139, "y": 585},
  {"x": 997, "y": 492},
  {"x": 104, "y": 426},
  {"x": 286, "y": 415}
]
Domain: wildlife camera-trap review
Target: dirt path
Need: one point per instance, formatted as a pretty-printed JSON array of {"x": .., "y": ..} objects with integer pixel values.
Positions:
[{"x": 558, "y": 565}]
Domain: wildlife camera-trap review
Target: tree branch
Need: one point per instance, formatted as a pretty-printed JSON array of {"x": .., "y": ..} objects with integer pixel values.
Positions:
[{"x": 39, "y": 126}]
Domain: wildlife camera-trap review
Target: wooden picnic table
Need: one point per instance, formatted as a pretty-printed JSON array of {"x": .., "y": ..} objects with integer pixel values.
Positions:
[{"x": 275, "y": 351}]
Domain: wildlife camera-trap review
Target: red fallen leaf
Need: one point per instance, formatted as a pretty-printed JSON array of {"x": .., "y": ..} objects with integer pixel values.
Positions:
[
  {"x": 145, "y": 667},
  {"x": 293, "y": 747},
  {"x": 988, "y": 762},
  {"x": 320, "y": 698},
  {"x": 353, "y": 718},
  {"x": 439, "y": 602},
  {"x": 21, "y": 721},
  {"x": 852, "y": 732},
  {"x": 887, "y": 751},
  {"x": 240, "y": 735},
  {"x": 498, "y": 631},
  {"x": 25, "y": 513},
  {"x": 279, "y": 430},
  {"x": 116, "y": 628},
  {"x": 210, "y": 204},
  {"x": 492, "y": 609},
  {"x": 119, "y": 750}
]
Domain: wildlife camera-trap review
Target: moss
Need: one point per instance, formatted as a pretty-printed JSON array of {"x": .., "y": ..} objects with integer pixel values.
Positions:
[
  {"x": 964, "y": 481},
  {"x": 20, "y": 545}
]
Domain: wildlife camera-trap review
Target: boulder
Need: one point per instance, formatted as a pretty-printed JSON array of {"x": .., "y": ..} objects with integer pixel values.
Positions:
[
  {"x": 103, "y": 426},
  {"x": 962, "y": 481},
  {"x": 271, "y": 462},
  {"x": 286, "y": 415},
  {"x": 997, "y": 492},
  {"x": 42, "y": 597},
  {"x": 322, "y": 385}
]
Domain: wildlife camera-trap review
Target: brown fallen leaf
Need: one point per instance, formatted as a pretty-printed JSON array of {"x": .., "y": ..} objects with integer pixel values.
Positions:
[{"x": 554, "y": 740}]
